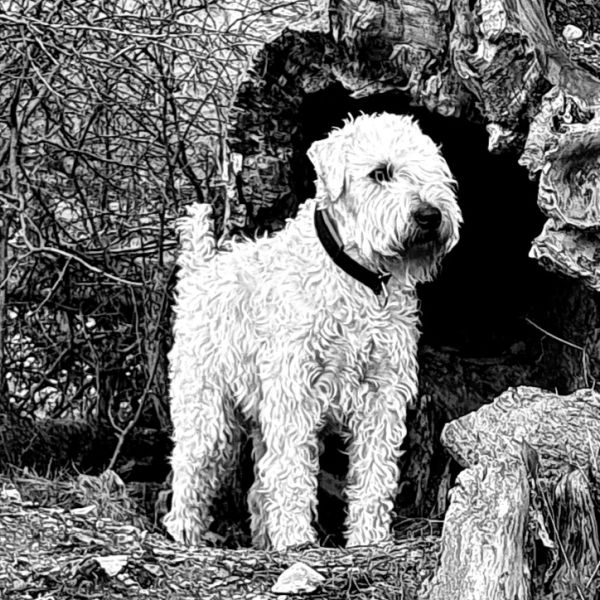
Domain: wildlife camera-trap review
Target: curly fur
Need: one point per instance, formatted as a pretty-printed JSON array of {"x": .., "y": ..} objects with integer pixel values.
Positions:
[{"x": 274, "y": 331}]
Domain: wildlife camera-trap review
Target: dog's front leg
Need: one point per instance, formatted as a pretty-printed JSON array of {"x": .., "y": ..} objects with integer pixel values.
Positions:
[
  {"x": 377, "y": 429},
  {"x": 286, "y": 474}
]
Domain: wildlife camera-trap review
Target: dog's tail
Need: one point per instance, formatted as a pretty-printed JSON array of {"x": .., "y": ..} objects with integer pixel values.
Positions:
[{"x": 196, "y": 236}]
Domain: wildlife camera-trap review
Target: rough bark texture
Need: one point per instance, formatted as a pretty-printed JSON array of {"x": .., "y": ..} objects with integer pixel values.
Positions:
[
  {"x": 531, "y": 476},
  {"x": 569, "y": 185},
  {"x": 484, "y": 535},
  {"x": 68, "y": 560}
]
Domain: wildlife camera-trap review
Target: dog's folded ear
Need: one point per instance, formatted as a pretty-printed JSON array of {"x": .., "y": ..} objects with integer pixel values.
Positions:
[{"x": 328, "y": 158}]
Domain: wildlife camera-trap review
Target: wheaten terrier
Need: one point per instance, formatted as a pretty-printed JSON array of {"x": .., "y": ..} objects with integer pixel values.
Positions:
[{"x": 317, "y": 324}]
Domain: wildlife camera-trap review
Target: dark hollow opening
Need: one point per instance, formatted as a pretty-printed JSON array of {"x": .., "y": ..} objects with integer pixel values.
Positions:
[{"x": 487, "y": 285}]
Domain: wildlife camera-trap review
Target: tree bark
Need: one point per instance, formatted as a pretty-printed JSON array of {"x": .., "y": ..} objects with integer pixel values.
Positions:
[
  {"x": 531, "y": 477},
  {"x": 491, "y": 61},
  {"x": 484, "y": 535},
  {"x": 151, "y": 565}
]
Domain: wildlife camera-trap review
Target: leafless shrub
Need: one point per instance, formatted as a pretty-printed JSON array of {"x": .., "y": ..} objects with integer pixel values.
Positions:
[{"x": 112, "y": 120}]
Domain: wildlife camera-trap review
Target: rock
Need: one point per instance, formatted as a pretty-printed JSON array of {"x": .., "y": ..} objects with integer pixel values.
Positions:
[
  {"x": 112, "y": 565},
  {"x": 572, "y": 33},
  {"x": 84, "y": 510},
  {"x": 298, "y": 579},
  {"x": 10, "y": 494}
]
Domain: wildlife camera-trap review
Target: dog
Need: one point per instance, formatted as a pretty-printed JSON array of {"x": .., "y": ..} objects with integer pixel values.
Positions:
[{"x": 317, "y": 324}]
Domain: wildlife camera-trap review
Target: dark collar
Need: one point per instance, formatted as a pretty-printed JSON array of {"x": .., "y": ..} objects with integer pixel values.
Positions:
[{"x": 327, "y": 234}]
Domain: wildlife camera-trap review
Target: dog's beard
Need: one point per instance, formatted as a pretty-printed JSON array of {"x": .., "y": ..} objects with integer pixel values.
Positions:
[
  {"x": 422, "y": 243},
  {"x": 418, "y": 255},
  {"x": 425, "y": 250},
  {"x": 418, "y": 244}
]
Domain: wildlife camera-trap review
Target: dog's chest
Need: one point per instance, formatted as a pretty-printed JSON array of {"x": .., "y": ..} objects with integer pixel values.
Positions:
[{"x": 347, "y": 351}]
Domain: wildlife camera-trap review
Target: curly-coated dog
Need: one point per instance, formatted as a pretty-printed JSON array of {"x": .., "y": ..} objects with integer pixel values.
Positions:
[{"x": 316, "y": 324}]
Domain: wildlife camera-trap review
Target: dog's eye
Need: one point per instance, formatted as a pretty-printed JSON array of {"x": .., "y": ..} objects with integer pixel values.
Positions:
[{"x": 382, "y": 174}]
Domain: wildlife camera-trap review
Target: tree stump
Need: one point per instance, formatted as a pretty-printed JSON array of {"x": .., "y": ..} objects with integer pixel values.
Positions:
[{"x": 522, "y": 520}]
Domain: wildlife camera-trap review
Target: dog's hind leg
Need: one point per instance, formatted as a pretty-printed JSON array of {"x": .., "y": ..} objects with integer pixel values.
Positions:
[
  {"x": 205, "y": 433},
  {"x": 258, "y": 525}
]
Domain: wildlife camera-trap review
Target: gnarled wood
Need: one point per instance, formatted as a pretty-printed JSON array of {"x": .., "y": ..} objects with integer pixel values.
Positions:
[
  {"x": 532, "y": 472},
  {"x": 492, "y": 61},
  {"x": 569, "y": 194}
]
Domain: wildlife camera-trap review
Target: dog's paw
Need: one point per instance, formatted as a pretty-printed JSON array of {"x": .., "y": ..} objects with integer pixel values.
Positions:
[{"x": 186, "y": 531}]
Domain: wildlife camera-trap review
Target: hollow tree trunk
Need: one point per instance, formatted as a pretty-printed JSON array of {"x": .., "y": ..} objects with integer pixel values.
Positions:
[
  {"x": 498, "y": 64},
  {"x": 492, "y": 61}
]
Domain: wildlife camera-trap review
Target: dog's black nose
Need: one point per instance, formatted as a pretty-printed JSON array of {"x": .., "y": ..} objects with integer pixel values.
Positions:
[{"x": 427, "y": 217}]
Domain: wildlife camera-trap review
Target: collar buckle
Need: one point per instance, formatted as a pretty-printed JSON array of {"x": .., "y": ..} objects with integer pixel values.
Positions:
[{"x": 384, "y": 294}]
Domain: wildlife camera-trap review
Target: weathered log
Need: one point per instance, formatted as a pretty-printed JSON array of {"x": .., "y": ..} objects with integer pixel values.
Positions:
[
  {"x": 82, "y": 551},
  {"x": 563, "y": 430},
  {"x": 532, "y": 468},
  {"x": 570, "y": 196}
]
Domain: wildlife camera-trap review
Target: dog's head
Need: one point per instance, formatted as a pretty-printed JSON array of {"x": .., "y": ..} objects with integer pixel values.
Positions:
[{"x": 390, "y": 191}]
